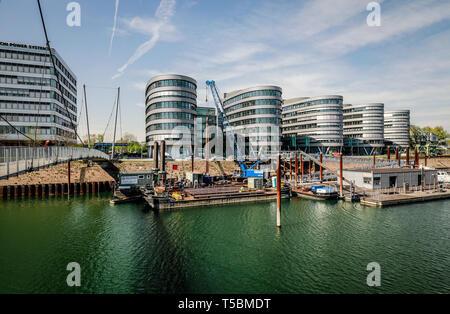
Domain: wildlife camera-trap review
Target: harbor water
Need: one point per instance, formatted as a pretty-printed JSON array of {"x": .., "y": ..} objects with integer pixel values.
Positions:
[{"x": 322, "y": 247}]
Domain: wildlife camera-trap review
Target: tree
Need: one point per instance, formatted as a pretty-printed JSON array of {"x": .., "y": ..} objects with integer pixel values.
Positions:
[
  {"x": 128, "y": 137},
  {"x": 439, "y": 131}
]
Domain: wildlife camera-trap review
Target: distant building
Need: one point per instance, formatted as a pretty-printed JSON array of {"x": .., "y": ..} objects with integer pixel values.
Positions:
[
  {"x": 170, "y": 110},
  {"x": 364, "y": 128},
  {"x": 396, "y": 128},
  {"x": 255, "y": 114},
  {"x": 29, "y": 96},
  {"x": 313, "y": 124}
]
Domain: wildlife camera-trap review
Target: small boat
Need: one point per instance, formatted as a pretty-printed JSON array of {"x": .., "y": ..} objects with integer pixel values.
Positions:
[{"x": 317, "y": 192}]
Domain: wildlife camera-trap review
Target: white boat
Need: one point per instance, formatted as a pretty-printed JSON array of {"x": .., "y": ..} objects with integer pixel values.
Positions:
[{"x": 443, "y": 177}]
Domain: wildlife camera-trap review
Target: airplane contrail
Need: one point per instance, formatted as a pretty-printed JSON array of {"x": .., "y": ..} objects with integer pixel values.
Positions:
[
  {"x": 114, "y": 26},
  {"x": 165, "y": 11}
]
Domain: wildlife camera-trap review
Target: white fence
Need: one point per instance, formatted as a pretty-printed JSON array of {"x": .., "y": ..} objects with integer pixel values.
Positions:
[{"x": 17, "y": 159}]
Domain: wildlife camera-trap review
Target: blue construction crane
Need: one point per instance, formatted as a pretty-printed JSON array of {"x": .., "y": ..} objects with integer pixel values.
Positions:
[{"x": 246, "y": 171}]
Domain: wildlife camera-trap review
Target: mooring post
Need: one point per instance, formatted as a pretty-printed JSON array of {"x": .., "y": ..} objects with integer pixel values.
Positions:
[
  {"x": 388, "y": 153},
  {"x": 341, "y": 166},
  {"x": 321, "y": 168},
  {"x": 163, "y": 161},
  {"x": 416, "y": 158},
  {"x": 155, "y": 155},
  {"x": 407, "y": 156},
  {"x": 397, "y": 155},
  {"x": 68, "y": 176},
  {"x": 301, "y": 168},
  {"x": 374, "y": 160},
  {"x": 207, "y": 150},
  {"x": 290, "y": 168},
  {"x": 278, "y": 192},
  {"x": 296, "y": 168},
  {"x": 192, "y": 163},
  {"x": 309, "y": 169},
  {"x": 284, "y": 167}
]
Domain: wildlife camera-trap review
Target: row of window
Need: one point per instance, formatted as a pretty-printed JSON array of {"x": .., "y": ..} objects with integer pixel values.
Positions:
[
  {"x": 337, "y": 101},
  {"x": 381, "y": 108},
  {"x": 170, "y": 115},
  {"x": 257, "y": 93},
  {"x": 172, "y": 93},
  {"x": 251, "y": 103},
  {"x": 168, "y": 126},
  {"x": 29, "y": 106},
  {"x": 257, "y": 121},
  {"x": 165, "y": 83},
  {"x": 314, "y": 126},
  {"x": 299, "y": 113},
  {"x": 170, "y": 104},
  {"x": 32, "y": 56},
  {"x": 37, "y": 69},
  {"x": 6, "y": 129},
  {"x": 19, "y": 117},
  {"x": 27, "y": 80},
  {"x": 255, "y": 112}
]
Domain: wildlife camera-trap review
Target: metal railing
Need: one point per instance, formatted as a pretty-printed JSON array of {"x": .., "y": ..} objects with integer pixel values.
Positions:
[{"x": 17, "y": 159}]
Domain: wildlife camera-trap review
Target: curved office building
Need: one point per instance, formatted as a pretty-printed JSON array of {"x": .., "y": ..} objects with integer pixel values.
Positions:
[
  {"x": 255, "y": 114},
  {"x": 170, "y": 109},
  {"x": 364, "y": 128},
  {"x": 313, "y": 124},
  {"x": 396, "y": 127}
]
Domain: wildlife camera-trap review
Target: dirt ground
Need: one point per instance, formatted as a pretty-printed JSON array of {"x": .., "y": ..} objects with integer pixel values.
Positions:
[
  {"x": 216, "y": 168},
  {"x": 58, "y": 174}
]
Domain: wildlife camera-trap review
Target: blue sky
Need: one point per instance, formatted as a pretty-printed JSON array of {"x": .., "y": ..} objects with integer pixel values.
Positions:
[{"x": 309, "y": 48}]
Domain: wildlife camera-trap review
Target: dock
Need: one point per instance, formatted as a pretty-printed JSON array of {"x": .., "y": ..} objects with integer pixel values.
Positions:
[{"x": 399, "y": 199}]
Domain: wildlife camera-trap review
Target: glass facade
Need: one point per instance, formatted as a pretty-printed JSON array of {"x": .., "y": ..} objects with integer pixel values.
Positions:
[
  {"x": 365, "y": 123},
  {"x": 255, "y": 114},
  {"x": 396, "y": 127},
  {"x": 30, "y": 97},
  {"x": 313, "y": 124},
  {"x": 171, "y": 103}
]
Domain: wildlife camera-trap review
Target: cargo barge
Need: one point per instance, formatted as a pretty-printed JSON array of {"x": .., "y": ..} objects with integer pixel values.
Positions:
[{"x": 178, "y": 199}]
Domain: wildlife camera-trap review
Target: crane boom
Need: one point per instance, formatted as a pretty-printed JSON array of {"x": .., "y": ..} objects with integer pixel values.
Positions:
[{"x": 223, "y": 119}]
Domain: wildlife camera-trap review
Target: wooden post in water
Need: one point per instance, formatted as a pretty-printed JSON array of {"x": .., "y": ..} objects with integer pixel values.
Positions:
[
  {"x": 296, "y": 168},
  {"x": 163, "y": 161},
  {"x": 388, "y": 153},
  {"x": 192, "y": 162},
  {"x": 207, "y": 150},
  {"x": 416, "y": 158},
  {"x": 301, "y": 168},
  {"x": 155, "y": 155},
  {"x": 397, "y": 155},
  {"x": 278, "y": 192},
  {"x": 374, "y": 160},
  {"x": 309, "y": 169},
  {"x": 321, "y": 168},
  {"x": 407, "y": 156},
  {"x": 68, "y": 177},
  {"x": 341, "y": 181},
  {"x": 290, "y": 168}
]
